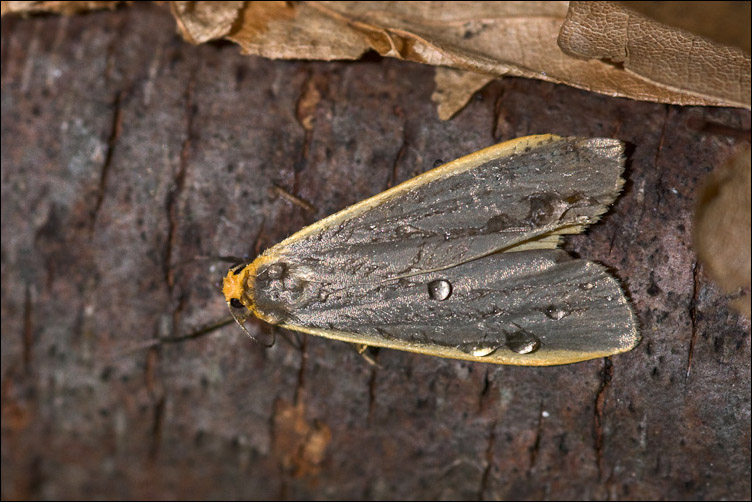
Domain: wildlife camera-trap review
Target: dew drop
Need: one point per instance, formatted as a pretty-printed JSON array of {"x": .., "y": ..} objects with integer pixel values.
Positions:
[
  {"x": 556, "y": 313},
  {"x": 497, "y": 224},
  {"x": 439, "y": 289},
  {"x": 523, "y": 342},
  {"x": 403, "y": 231},
  {"x": 481, "y": 349},
  {"x": 543, "y": 208},
  {"x": 587, "y": 286}
]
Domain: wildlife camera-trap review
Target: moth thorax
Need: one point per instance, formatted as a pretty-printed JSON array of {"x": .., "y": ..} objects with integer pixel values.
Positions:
[{"x": 277, "y": 289}]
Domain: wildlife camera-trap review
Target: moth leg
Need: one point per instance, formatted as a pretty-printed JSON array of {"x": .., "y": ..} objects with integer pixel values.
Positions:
[{"x": 361, "y": 349}]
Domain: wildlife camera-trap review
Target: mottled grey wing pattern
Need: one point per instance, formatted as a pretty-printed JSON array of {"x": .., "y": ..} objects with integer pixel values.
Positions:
[
  {"x": 540, "y": 300},
  {"x": 459, "y": 262},
  {"x": 502, "y": 202}
]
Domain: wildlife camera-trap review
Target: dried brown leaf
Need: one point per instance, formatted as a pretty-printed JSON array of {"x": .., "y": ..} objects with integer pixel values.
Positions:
[
  {"x": 699, "y": 70},
  {"x": 519, "y": 39},
  {"x": 65, "y": 8},
  {"x": 722, "y": 228},
  {"x": 724, "y": 22},
  {"x": 654, "y": 62},
  {"x": 486, "y": 37},
  {"x": 280, "y": 30},
  {"x": 454, "y": 88},
  {"x": 200, "y": 22}
]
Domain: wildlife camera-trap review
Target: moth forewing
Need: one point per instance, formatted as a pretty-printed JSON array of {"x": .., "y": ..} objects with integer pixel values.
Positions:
[{"x": 459, "y": 261}]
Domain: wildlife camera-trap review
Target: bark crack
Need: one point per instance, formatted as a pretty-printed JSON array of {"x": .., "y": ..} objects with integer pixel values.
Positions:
[
  {"x": 177, "y": 188},
  {"x": 489, "y": 460},
  {"x": 536, "y": 444},
  {"x": 156, "y": 428},
  {"x": 115, "y": 129},
  {"x": 692, "y": 319},
  {"x": 28, "y": 334},
  {"x": 305, "y": 113},
  {"x": 371, "y": 393},
  {"x": 400, "y": 154},
  {"x": 659, "y": 184},
  {"x": 600, "y": 401},
  {"x": 496, "y": 116},
  {"x": 301, "y": 370}
]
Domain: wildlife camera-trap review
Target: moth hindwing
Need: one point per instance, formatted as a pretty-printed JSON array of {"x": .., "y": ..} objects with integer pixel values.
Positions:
[{"x": 459, "y": 262}]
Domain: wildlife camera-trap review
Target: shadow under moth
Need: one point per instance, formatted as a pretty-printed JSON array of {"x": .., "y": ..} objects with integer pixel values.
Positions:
[{"x": 459, "y": 262}]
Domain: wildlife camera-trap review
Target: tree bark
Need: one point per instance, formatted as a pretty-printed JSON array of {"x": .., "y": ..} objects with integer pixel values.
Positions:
[{"x": 133, "y": 162}]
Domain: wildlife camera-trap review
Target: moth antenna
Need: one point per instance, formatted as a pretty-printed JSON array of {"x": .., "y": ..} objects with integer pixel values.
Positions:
[
  {"x": 164, "y": 340},
  {"x": 274, "y": 336},
  {"x": 136, "y": 349}
]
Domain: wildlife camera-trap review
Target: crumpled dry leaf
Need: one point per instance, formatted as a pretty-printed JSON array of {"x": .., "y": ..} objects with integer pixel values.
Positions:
[
  {"x": 281, "y": 30},
  {"x": 656, "y": 62},
  {"x": 454, "y": 88},
  {"x": 722, "y": 228},
  {"x": 490, "y": 38},
  {"x": 200, "y": 22},
  {"x": 725, "y": 22},
  {"x": 668, "y": 57},
  {"x": 65, "y": 8}
]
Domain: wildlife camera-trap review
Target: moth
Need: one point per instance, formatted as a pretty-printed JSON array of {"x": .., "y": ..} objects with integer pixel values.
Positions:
[{"x": 459, "y": 262}]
